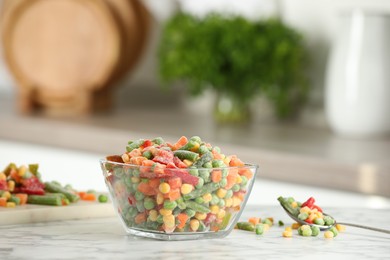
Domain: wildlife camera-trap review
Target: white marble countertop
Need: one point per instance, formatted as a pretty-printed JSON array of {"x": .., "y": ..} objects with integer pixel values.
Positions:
[{"x": 104, "y": 238}]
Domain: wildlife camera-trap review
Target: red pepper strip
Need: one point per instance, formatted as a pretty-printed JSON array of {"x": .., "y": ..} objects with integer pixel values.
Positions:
[
  {"x": 29, "y": 190},
  {"x": 3, "y": 185},
  {"x": 316, "y": 207},
  {"x": 163, "y": 156},
  {"x": 131, "y": 200},
  {"x": 309, "y": 203},
  {"x": 184, "y": 176},
  {"x": 179, "y": 163},
  {"x": 309, "y": 221},
  {"x": 146, "y": 143},
  {"x": 209, "y": 219}
]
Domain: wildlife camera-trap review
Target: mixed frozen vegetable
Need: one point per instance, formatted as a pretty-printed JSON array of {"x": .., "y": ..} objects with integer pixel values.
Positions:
[
  {"x": 185, "y": 186},
  {"x": 23, "y": 185}
]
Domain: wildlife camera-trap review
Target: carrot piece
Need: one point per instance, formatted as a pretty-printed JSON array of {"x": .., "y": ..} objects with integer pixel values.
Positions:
[
  {"x": 140, "y": 218},
  {"x": 23, "y": 198},
  {"x": 89, "y": 197},
  {"x": 236, "y": 162},
  {"x": 231, "y": 178},
  {"x": 173, "y": 194},
  {"x": 216, "y": 176},
  {"x": 175, "y": 183},
  {"x": 154, "y": 183},
  {"x": 81, "y": 194},
  {"x": 254, "y": 220},
  {"x": 182, "y": 141},
  {"x": 182, "y": 217},
  {"x": 3, "y": 202},
  {"x": 146, "y": 189},
  {"x": 245, "y": 172},
  {"x": 216, "y": 154}
]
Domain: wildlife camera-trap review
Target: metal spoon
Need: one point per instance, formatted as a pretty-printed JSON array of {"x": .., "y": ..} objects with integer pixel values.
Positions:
[{"x": 321, "y": 227}]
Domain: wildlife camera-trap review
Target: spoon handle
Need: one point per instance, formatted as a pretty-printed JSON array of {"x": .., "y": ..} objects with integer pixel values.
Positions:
[{"x": 366, "y": 227}]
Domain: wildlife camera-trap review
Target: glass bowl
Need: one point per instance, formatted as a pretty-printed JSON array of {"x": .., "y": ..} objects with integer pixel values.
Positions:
[{"x": 178, "y": 204}]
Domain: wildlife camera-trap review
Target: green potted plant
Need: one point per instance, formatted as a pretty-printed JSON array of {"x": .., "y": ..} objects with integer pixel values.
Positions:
[{"x": 237, "y": 58}]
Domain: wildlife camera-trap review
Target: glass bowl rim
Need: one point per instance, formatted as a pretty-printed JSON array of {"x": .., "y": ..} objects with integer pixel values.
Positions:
[{"x": 246, "y": 165}]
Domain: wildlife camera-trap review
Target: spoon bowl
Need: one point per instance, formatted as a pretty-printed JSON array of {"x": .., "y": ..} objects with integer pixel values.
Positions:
[{"x": 324, "y": 227}]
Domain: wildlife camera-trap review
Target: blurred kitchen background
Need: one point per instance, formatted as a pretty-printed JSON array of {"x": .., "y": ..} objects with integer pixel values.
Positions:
[{"x": 78, "y": 79}]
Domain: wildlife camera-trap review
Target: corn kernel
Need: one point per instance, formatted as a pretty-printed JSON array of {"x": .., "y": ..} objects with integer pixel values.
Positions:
[
  {"x": 11, "y": 205},
  {"x": 125, "y": 157},
  {"x": 221, "y": 213},
  {"x": 165, "y": 212},
  {"x": 328, "y": 234},
  {"x": 305, "y": 210},
  {"x": 312, "y": 216},
  {"x": 194, "y": 224},
  {"x": 228, "y": 202},
  {"x": 22, "y": 170},
  {"x": 187, "y": 162},
  {"x": 164, "y": 187},
  {"x": 227, "y": 160},
  {"x": 214, "y": 209},
  {"x": 294, "y": 204},
  {"x": 295, "y": 225},
  {"x": 238, "y": 179},
  {"x": 288, "y": 229},
  {"x": 195, "y": 148},
  {"x": 320, "y": 215},
  {"x": 2, "y": 176},
  {"x": 186, "y": 188},
  {"x": 236, "y": 201},
  {"x": 207, "y": 197},
  {"x": 11, "y": 185},
  {"x": 6, "y": 195},
  {"x": 135, "y": 179},
  {"x": 160, "y": 198},
  {"x": 266, "y": 227},
  {"x": 221, "y": 193},
  {"x": 314, "y": 210},
  {"x": 153, "y": 214},
  {"x": 200, "y": 216},
  {"x": 287, "y": 233},
  {"x": 169, "y": 221},
  {"x": 340, "y": 227}
]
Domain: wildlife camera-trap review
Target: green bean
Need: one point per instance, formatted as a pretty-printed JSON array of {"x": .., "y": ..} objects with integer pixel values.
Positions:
[
  {"x": 267, "y": 221},
  {"x": 53, "y": 200},
  {"x": 199, "y": 200},
  {"x": 14, "y": 199},
  {"x": 284, "y": 202},
  {"x": 245, "y": 226},
  {"x": 186, "y": 155},
  {"x": 190, "y": 212},
  {"x": 160, "y": 219},
  {"x": 158, "y": 140},
  {"x": 197, "y": 207},
  {"x": 147, "y": 154},
  {"x": 189, "y": 145},
  {"x": 203, "y": 159},
  {"x": 52, "y": 187},
  {"x": 204, "y": 174},
  {"x": 259, "y": 228},
  {"x": 207, "y": 188},
  {"x": 176, "y": 211},
  {"x": 134, "y": 145},
  {"x": 196, "y": 139}
]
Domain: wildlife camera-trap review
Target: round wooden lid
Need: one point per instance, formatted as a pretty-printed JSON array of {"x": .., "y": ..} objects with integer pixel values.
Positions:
[{"x": 61, "y": 46}]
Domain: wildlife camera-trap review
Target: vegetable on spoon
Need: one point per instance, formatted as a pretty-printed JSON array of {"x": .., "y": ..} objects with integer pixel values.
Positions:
[{"x": 310, "y": 214}]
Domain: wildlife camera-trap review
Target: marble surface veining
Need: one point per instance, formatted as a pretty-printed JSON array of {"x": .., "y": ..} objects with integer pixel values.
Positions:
[{"x": 104, "y": 238}]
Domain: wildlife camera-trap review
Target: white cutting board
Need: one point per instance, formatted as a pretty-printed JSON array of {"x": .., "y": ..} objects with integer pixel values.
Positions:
[{"x": 38, "y": 213}]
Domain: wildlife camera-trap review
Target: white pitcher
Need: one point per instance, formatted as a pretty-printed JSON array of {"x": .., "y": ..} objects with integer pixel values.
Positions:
[{"x": 357, "y": 98}]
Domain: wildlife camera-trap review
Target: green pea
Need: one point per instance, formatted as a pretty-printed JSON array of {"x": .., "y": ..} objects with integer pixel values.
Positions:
[
  {"x": 315, "y": 231},
  {"x": 169, "y": 204},
  {"x": 221, "y": 203},
  {"x": 149, "y": 203},
  {"x": 229, "y": 194},
  {"x": 218, "y": 164},
  {"x": 303, "y": 216},
  {"x": 328, "y": 220},
  {"x": 200, "y": 183},
  {"x": 334, "y": 231},
  {"x": 208, "y": 165},
  {"x": 223, "y": 182},
  {"x": 217, "y": 149},
  {"x": 306, "y": 232},
  {"x": 225, "y": 173},
  {"x": 160, "y": 219},
  {"x": 140, "y": 206},
  {"x": 319, "y": 221},
  {"x": 203, "y": 149},
  {"x": 102, "y": 198},
  {"x": 236, "y": 187},
  {"x": 214, "y": 199},
  {"x": 205, "y": 175},
  {"x": 267, "y": 221},
  {"x": 176, "y": 211},
  {"x": 194, "y": 172},
  {"x": 196, "y": 139},
  {"x": 139, "y": 195},
  {"x": 244, "y": 180}
]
